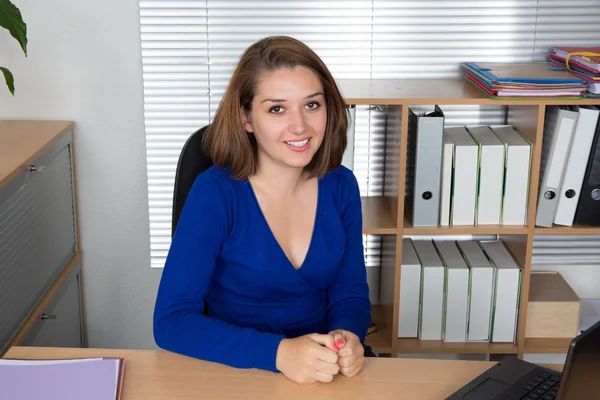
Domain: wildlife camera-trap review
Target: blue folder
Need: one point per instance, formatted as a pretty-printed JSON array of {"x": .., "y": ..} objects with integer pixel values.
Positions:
[{"x": 522, "y": 73}]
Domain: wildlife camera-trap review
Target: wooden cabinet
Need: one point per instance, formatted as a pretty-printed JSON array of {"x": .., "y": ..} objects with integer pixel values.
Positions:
[{"x": 40, "y": 259}]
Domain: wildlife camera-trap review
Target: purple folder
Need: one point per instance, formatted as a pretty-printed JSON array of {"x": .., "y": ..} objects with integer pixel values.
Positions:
[{"x": 90, "y": 379}]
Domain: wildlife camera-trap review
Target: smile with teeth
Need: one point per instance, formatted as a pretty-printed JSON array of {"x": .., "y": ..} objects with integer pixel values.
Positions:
[{"x": 298, "y": 144}]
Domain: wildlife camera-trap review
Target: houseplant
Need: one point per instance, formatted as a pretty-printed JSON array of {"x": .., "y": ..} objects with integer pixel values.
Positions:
[{"x": 11, "y": 19}]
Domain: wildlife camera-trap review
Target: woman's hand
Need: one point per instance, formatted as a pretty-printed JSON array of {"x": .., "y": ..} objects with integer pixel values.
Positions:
[
  {"x": 351, "y": 356},
  {"x": 308, "y": 359}
]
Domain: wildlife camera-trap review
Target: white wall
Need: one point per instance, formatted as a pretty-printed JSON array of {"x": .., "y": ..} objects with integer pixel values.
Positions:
[{"x": 84, "y": 65}]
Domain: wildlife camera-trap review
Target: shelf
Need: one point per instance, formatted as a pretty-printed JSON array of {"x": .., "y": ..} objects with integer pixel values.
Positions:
[
  {"x": 547, "y": 345},
  {"x": 430, "y": 91},
  {"x": 568, "y": 230},
  {"x": 380, "y": 341},
  {"x": 379, "y": 215},
  {"x": 465, "y": 230},
  {"x": 441, "y": 347}
]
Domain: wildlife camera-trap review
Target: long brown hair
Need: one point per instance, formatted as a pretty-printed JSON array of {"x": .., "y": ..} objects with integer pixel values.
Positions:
[{"x": 226, "y": 140}]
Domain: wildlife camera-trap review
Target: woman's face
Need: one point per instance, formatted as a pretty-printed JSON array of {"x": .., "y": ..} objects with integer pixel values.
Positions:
[{"x": 288, "y": 117}]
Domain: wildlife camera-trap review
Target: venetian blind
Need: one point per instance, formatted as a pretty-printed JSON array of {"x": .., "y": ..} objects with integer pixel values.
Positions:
[{"x": 189, "y": 49}]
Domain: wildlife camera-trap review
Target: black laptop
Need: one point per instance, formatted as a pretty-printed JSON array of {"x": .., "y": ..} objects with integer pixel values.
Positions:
[{"x": 515, "y": 379}]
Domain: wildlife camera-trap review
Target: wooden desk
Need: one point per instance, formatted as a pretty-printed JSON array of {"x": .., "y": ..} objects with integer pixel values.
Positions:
[{"x": 162, "y": 375}]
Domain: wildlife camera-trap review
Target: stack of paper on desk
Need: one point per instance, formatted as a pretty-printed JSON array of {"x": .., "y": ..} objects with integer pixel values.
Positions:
[
  {"x": 75, "y": 379},
  {"x": 524, "y": 80}
]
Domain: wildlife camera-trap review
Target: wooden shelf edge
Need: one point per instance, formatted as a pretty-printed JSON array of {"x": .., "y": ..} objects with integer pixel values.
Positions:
[
  {"x": 568, "y": 230},
  {"x": 408, "y": 229},
  {"x": 380, "y": 231},
  {"x": 379, "y": 215},
  {"x": 441, "y": 347},
  {"x": 441, "y": 91},
  {"x": 546, "y": 345},
  {"x": 428, "y": 101}
]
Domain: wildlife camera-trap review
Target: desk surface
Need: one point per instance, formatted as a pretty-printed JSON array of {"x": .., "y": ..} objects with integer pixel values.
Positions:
[{"x": 151, "y": 375}]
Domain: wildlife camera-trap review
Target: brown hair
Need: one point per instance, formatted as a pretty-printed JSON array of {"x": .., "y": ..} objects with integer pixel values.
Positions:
[{"x": 226, "y": 140}]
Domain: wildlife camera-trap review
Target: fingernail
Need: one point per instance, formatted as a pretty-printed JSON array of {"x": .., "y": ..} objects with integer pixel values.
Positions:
[
  {"x": 335, "y": 347},
  {"x": 340, "y": 342}
]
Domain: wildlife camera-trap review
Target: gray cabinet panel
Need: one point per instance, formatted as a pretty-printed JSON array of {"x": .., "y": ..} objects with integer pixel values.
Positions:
[
  {"x": 60, "y": 323},
  {"x": 37, "y": 235}
]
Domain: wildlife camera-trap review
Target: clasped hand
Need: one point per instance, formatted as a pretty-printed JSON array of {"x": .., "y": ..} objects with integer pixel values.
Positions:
[{"x": 318, "y": 357}]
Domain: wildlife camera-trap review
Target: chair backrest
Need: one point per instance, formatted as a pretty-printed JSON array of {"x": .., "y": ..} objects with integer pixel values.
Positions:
[{"x": 193, "y": 160}]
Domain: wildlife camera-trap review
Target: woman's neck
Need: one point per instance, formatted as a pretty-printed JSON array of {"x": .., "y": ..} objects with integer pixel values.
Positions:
[{"x": 278, "y": 179}]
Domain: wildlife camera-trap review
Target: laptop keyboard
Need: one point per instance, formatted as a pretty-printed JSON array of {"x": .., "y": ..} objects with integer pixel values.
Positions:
[{"x": 543, "y": 386}]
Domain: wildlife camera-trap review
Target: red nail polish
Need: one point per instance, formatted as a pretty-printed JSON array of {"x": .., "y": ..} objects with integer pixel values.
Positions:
[
  {"x": 335, "y": 347},
  {"x": 340, "y": 342}
]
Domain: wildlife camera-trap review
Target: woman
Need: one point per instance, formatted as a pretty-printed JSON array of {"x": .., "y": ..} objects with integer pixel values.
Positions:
[{"x": 270, "y": 238}]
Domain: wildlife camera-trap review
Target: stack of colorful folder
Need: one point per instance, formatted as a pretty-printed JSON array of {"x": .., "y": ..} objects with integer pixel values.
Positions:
[
  {"x": 524, "y": 80},
  {"x": 583, "y": 62}
]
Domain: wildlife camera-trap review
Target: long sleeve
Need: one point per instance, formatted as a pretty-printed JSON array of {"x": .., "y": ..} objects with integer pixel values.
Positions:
[
  {"x": 349, "y": 306},
  {"x": 179, "y": 323}
]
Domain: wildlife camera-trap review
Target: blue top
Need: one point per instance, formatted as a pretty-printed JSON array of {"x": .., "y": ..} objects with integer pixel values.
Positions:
[{"x": 223, "y": 252}]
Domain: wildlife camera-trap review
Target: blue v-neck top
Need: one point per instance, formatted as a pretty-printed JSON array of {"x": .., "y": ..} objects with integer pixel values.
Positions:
[{"x": 224, "y": 253}]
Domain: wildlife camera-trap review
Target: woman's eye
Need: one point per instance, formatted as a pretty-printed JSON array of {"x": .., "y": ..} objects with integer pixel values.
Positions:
[
  {"x": 313, "y": 105},
  {"x": 276, "y": 109}
]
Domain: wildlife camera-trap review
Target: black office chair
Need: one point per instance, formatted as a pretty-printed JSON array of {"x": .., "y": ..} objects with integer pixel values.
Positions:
[{"x": 193, "y": 160}]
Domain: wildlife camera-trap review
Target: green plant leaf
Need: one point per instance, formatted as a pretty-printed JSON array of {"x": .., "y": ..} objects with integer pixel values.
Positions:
[
  {"x": 10, "y": 80},
  {"x": 11, "y": 19}
]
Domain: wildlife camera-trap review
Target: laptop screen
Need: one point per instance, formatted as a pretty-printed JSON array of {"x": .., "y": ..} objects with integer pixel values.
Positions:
[{"x": 581, "y": 376}]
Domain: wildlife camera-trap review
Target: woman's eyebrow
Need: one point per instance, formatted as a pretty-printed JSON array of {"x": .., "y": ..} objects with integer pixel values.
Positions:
[{"x": 310, "y": 96}]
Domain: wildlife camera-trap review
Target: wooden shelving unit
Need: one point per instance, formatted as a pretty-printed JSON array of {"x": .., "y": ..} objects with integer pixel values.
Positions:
[
  {"x": 384, "y": 215},
  {"x": 379, "y": 215}
]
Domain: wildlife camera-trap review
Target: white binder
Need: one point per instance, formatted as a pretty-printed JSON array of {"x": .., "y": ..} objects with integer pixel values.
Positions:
[
  {"x": 517, "y": 167},
  {"x": 581, "y": 145},
  {"x": 410, "y": 291},
  {"x": 491, "y": 175},
  {"x": 446, "y": 190},
  {"x": 464, "y": 189},
  {"x": 559, "y": 125},
  {"x": 424, "y": 160},
  {"x": 456, "y": 292},
  {"x": 481, "y": 291},
  {"x": 432, "y": 292},
  {"x": 506, "y": 292}
]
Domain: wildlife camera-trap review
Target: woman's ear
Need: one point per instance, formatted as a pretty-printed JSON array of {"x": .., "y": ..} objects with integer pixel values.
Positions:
[{"x": 246, "y": 120}]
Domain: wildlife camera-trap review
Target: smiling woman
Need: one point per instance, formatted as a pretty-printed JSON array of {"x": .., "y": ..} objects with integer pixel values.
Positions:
[
  {"x": 258, "y": 241},
  {"x": 282, "y": 76},
  {"x": 293, "y": 123}
]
